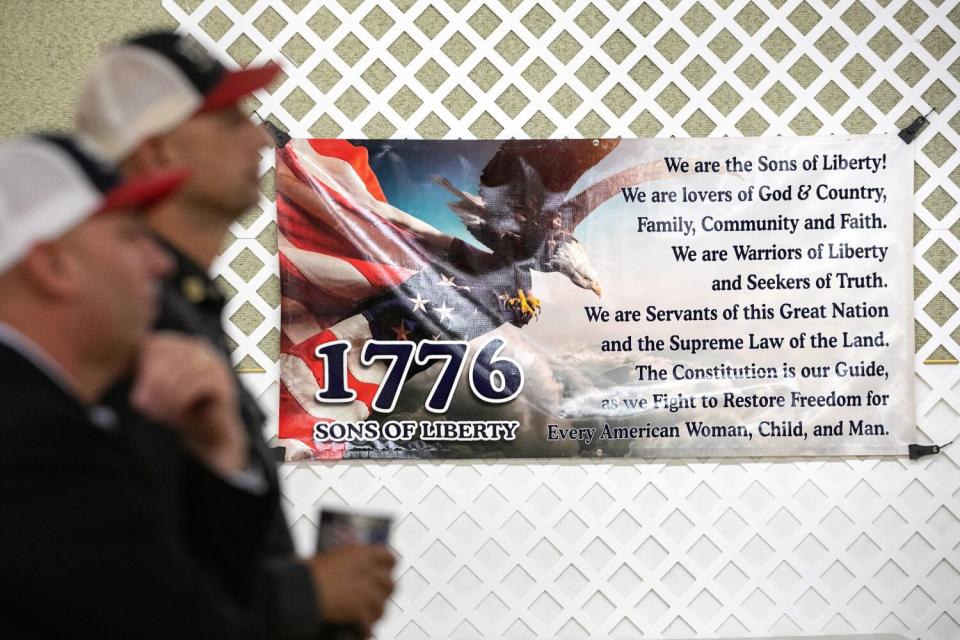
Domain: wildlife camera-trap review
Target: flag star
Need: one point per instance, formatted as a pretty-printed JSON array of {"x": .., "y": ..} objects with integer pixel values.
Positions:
[
  {"x": 446, "y": 281},
  {"x": 419, "y": 304},
  {"x": 401, "y": 331},
  {"x": 446, "y": 313}
]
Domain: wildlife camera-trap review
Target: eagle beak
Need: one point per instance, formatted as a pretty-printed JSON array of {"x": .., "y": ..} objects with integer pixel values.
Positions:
[{"x": 596, "y": 290}]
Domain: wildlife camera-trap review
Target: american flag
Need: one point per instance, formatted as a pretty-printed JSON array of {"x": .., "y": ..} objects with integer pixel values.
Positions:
[{"x": 355, "y": 268}]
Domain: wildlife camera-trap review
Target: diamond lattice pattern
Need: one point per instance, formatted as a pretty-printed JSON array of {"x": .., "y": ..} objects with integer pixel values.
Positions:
[{"x": 680, "y": 548}]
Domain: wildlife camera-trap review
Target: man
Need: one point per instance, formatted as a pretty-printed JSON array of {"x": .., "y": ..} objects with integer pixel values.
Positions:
[
  {"x": 157, "y": 101},
  {"x": 85, "y": 546}
]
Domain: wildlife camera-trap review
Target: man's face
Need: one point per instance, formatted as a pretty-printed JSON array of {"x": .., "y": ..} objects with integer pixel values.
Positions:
[
  {"x": 117, "y": 268},
  {"x": 221, "y": 149}
]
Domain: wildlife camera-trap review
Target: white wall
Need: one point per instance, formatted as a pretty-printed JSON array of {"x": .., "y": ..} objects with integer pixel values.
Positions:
[{"x": 669, "y": 548}]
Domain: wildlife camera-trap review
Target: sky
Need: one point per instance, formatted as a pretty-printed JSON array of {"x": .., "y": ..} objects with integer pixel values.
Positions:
[{"x": 406, "y": 170}]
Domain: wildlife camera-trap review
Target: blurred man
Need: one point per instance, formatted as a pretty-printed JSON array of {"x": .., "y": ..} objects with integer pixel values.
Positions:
[
  {"x": 86, "y": 548},
  {"x": 157, "y": 101}
]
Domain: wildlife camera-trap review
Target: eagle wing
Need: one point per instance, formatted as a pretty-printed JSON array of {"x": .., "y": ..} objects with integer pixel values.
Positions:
[
  {"x": 558, "y": 163},
  {"x": 585, "y": 202},
  {"x": 522, "y": 189}
]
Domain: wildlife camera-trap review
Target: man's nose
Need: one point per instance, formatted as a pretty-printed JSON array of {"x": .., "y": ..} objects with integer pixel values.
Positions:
[{"x": 159, "y": 259}]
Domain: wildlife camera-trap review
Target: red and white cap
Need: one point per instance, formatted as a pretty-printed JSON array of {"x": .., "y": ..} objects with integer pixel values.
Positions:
[
  {"x": 49, "y": 185},
  {"x": 151, "y": 84}
]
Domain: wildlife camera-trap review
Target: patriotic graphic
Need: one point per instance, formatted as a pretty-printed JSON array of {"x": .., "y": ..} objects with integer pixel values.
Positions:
[
  {"x": 556, "y": 298},
  {"x": 355, "y": 268}
]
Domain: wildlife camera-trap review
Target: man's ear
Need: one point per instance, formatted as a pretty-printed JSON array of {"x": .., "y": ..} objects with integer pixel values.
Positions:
[
  {"x": 50, "y": 269},
  {"x": 149, "y": 158}
]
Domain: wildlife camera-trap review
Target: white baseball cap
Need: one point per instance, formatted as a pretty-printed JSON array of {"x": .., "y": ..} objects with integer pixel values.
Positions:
[
  {"x": 150, "y": 84},
  {"x": 49, "y": 185}
]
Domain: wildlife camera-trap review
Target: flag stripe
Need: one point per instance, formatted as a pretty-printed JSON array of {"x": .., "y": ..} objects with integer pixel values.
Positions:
[
  {"x": 376, "y": 273},
  {"x": 340, "y": 244},
  {"x": 357, "y": 157},
  {"x": 303, "y": 382},
  {"x": 317, "y": 226},
  {"x": 339, "y": 180},
  {"x": 332, "y": 275},
  {"x": 298, "y": 424},
  {"x": 324, "y": 307},
  {"x": 363, "y": 380},
  {"x": 298, "y": 322},
  {"x": 316, "y": 223}
]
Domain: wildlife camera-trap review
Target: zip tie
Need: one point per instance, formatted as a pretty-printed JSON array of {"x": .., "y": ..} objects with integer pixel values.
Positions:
[
  {"x": 919, "y": 450},
  {"x": 909, "y": 133}
]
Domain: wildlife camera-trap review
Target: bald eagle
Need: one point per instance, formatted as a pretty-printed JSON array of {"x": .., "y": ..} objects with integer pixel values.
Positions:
[{"x": 525, "y": 215}]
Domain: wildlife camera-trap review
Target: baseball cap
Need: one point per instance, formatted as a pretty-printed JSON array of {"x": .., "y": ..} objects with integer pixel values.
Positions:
[
  {"x": 49, "y": 185},
  {"x": 152, "y": 83}
]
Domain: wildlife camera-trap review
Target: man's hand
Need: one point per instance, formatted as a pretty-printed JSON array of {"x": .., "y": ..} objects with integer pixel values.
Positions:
[
  {"x": 184, "y": 383},
  {"x": 353, "y": 583}
]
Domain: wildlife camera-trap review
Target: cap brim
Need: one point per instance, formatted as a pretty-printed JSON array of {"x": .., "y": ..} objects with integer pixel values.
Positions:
[
  {"x": 142, "y": 192},
  {"x": 236, "y": 85}
]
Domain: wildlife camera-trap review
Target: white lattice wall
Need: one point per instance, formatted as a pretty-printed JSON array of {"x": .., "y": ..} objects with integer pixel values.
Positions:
[{"x": 672, "y": 548}]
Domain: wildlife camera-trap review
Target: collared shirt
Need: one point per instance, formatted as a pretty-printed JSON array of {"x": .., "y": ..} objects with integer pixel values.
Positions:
[
  {"x": 101, "y": 416},
  {"x": 37, "y": 356},
  {"x": 250, "y": 479}
]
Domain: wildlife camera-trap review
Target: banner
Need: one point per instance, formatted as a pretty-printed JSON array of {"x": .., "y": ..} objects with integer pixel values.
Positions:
[{"x": 545, "y": 298}]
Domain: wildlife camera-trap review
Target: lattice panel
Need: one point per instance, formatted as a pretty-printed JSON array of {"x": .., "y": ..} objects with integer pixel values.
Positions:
[{"x": 676, "y": 549}]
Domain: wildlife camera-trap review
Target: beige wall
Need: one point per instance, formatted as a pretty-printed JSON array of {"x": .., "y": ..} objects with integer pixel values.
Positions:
[
  {"x": 46, "y": 47},
  {"x": 890, "y": 565}
]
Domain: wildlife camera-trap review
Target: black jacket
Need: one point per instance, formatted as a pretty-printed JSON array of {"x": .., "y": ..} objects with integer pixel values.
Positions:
[
  {"x": 88, "y": 545},
  {"x": 193, "y": 304}
]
